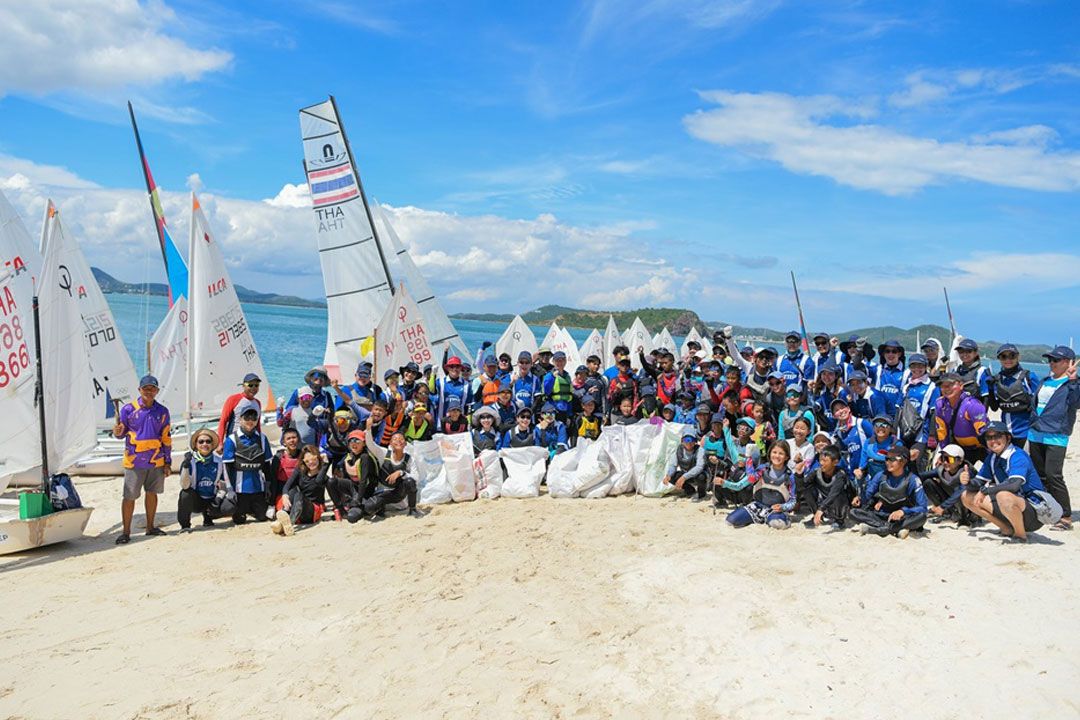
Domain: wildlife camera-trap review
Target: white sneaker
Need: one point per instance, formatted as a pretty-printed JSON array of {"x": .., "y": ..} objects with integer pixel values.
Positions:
[
  {"x": 275, "y": 527},
  {"x": 270, "y": 513},
  {"x": 904, "y": 532},
  {"x": 287, "y": 528}
]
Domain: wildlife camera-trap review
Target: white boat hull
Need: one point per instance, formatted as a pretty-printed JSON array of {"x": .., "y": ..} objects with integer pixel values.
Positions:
[{"x": 20, "y": 535}]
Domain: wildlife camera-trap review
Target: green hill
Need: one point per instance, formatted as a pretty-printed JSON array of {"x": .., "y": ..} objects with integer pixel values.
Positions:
[{"x": 110, "y": 285}]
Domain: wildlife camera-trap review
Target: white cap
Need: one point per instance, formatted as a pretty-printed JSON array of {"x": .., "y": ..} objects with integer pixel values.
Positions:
[{"x": 954, "y": 450}]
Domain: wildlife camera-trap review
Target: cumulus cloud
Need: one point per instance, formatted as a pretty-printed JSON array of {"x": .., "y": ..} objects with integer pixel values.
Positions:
[
  {"x": 816, "y": 135},
  {"x": 91, "y": 45}
]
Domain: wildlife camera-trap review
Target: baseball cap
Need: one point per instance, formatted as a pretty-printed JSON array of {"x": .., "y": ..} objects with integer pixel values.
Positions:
[
  {"x": 953, "y": 450},
  {"x": 148, "y": 381},
  {"x": 1061, "y": 352}
]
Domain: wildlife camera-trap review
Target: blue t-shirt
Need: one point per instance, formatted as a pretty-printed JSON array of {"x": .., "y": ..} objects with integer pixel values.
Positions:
[
  {"x": 1012, "y": 464},
  {"x": 1049, "y": 386}
]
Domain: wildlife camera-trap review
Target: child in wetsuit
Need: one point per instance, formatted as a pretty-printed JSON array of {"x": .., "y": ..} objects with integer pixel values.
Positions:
[{"x": 774, "y": 493}]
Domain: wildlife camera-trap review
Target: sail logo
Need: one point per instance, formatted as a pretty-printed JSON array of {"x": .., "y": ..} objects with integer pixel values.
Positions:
[
  {"x": 332, "y": 185},
  {"x": 330, "y": 156},
  {"x": 217, "y": 287}
]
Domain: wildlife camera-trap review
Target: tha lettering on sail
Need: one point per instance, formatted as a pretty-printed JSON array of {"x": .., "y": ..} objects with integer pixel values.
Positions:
[
  {"x": 331, "y": 218},
  {"x": 14, "y": 355},
  {"x": 414, "y": 340}
]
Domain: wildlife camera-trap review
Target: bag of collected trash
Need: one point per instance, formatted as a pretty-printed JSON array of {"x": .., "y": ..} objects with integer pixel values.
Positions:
[{"x": 525, "y": 468}]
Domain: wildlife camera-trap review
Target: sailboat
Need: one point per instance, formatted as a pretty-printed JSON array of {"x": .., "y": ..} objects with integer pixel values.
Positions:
[
  {"x": 516, "y": 339},
  {"x": 49, "y": 413},
  {"x": 356, "y": 276},
  {"x": 593, "y": 345},
  {"x": 637, "y": 336},
  {"x": 443, "y": 333},
  {"x": 664, "y": 340},
  {"x": 612, "y": 339}
]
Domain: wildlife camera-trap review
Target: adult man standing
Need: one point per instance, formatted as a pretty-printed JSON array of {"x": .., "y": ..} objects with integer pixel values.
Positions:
[
  {"x": 1057, "y": 400},
  {"x": 227, "y": 424},
  {"x": 960, "y": 418},
  {"x": 146, "y": 428}
]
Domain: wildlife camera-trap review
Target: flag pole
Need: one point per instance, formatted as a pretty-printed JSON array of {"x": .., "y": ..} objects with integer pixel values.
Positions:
[{"x": 802, "y": 322}]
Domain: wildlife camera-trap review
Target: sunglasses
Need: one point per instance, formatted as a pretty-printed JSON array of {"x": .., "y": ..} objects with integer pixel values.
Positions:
[
  {"x": 251, "y": 384},
  {"x": 882, "y": 424},
  {"x": 204, "y": 441},
  {"x": 994, "y": 436},
  {"x": 894, "y": 459},
  {"x": 1008, "y": 356},
  {"x": 820, "y": 343}
]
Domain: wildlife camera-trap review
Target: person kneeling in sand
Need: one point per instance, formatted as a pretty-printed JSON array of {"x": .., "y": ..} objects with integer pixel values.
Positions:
[
  {"x": 1007, "y": 491},
  {"x": 395, "y": 482},
  {"x": 893, "y": 502},
  {"x": 202, "y": 482},
  {"x": 687, "y": 469},
  {"x": 353, "y": 480},
  {"x": 826, "y": 490},
  {"x": 303, "y": 499},
  {"x": 774, "y": 493},
  {"x": 247, "y": 456}
]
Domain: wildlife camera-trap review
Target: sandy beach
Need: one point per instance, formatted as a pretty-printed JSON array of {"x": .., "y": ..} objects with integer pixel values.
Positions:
[{"x": 621, "y": 607}]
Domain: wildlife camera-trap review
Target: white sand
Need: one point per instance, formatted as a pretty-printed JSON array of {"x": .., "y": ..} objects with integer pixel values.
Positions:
[{"x": 623, "y": 607}]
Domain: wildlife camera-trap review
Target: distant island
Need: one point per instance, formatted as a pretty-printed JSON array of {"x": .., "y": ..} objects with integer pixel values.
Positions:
[
  {"x": 110, "y": 285},
  {"x": 679, "y": 321}
]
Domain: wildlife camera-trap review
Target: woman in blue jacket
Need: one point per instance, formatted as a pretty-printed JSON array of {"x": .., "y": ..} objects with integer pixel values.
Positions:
[{"x": 1056, "y": 402}]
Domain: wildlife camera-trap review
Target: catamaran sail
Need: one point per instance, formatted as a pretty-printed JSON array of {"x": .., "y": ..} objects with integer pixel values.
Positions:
[
  {"x": 21, "y": 264},
  {"x": 443, "y": 333},
  {"x": 638, "y": 338},
  {"x": 221, "y": 347},
  {"x": 593, "y": 345},
  {"x": 612, "y": 339},
  {"x": 517, "y": 338},
  {"x": 355, "y": 274},
  {"x": 112, "y": 372}
]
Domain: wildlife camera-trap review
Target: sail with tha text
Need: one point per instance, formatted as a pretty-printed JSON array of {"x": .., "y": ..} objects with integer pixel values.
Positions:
[
  {"x": 221, "y": 348},
  {"x": 112, "y": 372},
  {"x": 443, "y": 333},
  {"x": 356, "y": 276}
]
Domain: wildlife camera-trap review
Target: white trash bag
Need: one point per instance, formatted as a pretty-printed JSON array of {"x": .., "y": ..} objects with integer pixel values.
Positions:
[
  {"x": 489, "y": 474},
  {"x": 428, "y": 468},
  {"x": 525, "y": 468},
  {"x": 457, "y": 455},
  {"x": 660, "y": 456},
  {"x": 562, "y": 471},
  {"x": 639, "y": 438}
]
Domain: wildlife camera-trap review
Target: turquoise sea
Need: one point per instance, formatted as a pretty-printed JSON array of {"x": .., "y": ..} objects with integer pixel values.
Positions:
[{"x": 291, "y": 340}]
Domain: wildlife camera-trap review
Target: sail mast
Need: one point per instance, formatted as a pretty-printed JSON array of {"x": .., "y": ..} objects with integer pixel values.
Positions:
[
  {"x": 39, "y": 397},
  {"x": 363, "y": 196}
]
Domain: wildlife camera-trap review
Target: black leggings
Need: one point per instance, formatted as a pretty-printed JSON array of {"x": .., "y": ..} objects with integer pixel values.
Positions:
[
  {"x": 253, "y": 504},
  {"x": 693, "y": 486},
  {"x": 1049, "y": 461},
  {"x": 881, "y": 525},
  {"x": 404, "y": 488},
  {"x": 301, "y": 509},
  {"x": 192, "y": 502}
]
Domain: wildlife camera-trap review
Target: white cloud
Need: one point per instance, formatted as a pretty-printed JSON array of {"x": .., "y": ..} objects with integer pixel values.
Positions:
[
  {"x": 794, "y": 132},
  {"x": 93, "y": 45},
  {"x": 291, "y": 196}
]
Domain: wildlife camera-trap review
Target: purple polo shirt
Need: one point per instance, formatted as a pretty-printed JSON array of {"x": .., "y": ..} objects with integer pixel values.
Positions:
[{"x": 148, "y": 435}]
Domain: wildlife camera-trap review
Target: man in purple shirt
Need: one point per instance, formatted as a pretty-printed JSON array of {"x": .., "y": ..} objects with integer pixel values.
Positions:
[
  {"x": 960, "y": 418},
  {"x": 145, "y": 426}
]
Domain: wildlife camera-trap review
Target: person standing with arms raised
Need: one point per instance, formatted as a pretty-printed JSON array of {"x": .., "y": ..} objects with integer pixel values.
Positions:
[{"x": 146, "y": 428}]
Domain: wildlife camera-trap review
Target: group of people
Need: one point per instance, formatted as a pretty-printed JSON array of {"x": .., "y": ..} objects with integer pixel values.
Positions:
[{"x": 882, "y": 444}]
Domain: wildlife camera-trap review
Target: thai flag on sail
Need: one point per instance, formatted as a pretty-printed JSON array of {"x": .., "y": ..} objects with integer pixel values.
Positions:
[{"x": 332, "y": 185}]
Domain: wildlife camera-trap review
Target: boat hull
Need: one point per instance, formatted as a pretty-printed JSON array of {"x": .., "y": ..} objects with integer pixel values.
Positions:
[{"x": 20, "y": 535}]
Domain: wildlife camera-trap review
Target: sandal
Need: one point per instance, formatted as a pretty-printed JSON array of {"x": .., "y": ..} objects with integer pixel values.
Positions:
[
  {"x": 155, "y": 532},
  {"x": 123, "y": 539},
  {"x": 1061, "y": 525}
]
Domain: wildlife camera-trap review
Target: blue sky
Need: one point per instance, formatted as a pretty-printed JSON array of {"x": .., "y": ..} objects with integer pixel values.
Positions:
[{"x": 597, "y": 154}]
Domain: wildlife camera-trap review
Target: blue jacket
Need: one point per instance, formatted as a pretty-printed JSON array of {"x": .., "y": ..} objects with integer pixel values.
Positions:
[
  {"x": 553, "y": 437},
  {"x": 869, "y": 367},
  {"x": 869, "y": 405},
  {"x": 445, "y": 388},
  {"x": 527, "y": 390},
  {"x": 797, "y": 369},
  {"x": 504, "y": 438},
  {"x": 819, "y": 360},
  {"x": 924, "y": 396},
  {"x": 371, "y": 391},
  {"x": 890, "y": 383},
  {"x": 873, "y": 455},
  {"x": 1018, "y": 423},
  {"x": 1055, "y": 412},
  {"x": 1012, "y": 469},
  {"x": 822, "y": 404},
  {"x": 916, "y": 497},
  {"x": 852, "y": 440}
]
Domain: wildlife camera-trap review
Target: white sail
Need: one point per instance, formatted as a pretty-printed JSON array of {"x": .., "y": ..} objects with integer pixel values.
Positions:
[
  {"x": 443, "y": 332},
  {"x": 169, "y": 355},
  {"x": 637, "y": 336},
  {"x": 20, "y": 263},
  {"x": 517, "y": 338},
  {"x": 564, "y": 342},
  {"x": 70, "y": 406},
  {"x": 401, "y": 335},
  {"x": 684, "y": 350},
  {"x": 112, "y": 372},
  {"x": 664, "y": 340},
  {"x": 549, "y": 338},
  {"x": 612, "y": 339},
  {"x": 355, "y": 275},
  {"x": 593, "y": 345},
  {"x": 221, "y": 347}
]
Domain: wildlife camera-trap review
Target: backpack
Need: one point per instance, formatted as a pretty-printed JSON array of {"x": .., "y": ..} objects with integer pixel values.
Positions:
[
  {"x": 62, "y": 493},
  {"x": 909, "y": 423}
]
